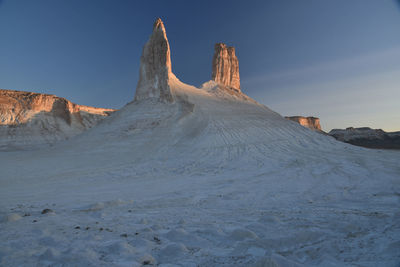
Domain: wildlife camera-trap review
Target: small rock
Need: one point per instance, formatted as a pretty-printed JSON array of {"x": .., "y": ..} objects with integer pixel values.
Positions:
[
  {"x": 77, "y": 227},
  {"x": 45, "y": 211},
  {"x": 124, "y": 235},
  {"x": 148, "y": 260}
]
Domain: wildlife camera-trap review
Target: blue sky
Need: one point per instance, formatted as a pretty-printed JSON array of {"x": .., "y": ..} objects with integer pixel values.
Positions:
[{"x": 338, "y": 60}]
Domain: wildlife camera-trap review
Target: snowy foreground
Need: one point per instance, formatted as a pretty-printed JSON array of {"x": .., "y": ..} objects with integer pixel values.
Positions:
[{"x": 213, "y": 179}]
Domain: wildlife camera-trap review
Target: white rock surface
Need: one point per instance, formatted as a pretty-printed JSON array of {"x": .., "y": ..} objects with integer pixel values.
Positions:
[{"x": 12, "y": 217}]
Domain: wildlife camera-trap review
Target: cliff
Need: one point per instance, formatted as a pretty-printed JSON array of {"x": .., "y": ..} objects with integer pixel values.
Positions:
[
  {"x": 367, "y": 137},
  {"x": 31, "y": 119},
  {"x": 311, "y": 123},
  {"x": 225, "y": 66}
]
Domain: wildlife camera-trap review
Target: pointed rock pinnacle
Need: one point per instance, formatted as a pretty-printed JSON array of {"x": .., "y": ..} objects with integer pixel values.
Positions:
[
  {"x": 225, "y": 66},
  {"x": 155, "y": 67}
]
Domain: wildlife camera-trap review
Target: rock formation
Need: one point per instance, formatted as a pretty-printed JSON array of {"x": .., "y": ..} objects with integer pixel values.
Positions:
[
  {"x": 367, "y": 137},
  {"x": 311, "y": 123},
  {"x": 364, "y": 136},
  {"x": 31, "y": 119},
  {"x": 225, "y": 66},
  {"x": 18, "y": 107},
  {"x": 155, "y": 67}
]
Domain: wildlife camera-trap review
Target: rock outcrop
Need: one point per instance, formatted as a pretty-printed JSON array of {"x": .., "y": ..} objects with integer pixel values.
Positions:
[
  {"x": 367, "y": 137},
  {"x": 32, "y": 119},
  {"x": 225, "y": 66},
  {"x": 311, "y": 123},
  {"x": 155, "y": 67}
]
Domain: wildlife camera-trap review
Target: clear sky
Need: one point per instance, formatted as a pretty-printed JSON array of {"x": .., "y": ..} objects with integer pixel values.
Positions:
[{"x": 338, "y": 60}]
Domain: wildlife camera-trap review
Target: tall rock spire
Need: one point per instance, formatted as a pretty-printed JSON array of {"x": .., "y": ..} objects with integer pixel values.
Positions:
[
  {"x": 225, "y": 66},
  {"x": 155, "y": 67}
]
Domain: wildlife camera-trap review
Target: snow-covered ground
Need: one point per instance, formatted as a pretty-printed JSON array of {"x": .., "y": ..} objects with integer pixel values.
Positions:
[{"x": 214, "y": 179}]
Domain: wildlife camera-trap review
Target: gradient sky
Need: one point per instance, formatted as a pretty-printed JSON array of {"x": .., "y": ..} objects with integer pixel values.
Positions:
[{"x": 338, "y": 60}]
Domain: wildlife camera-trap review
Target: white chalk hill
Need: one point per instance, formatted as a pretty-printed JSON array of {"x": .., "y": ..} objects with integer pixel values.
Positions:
[{"x": 170, "y": 120}]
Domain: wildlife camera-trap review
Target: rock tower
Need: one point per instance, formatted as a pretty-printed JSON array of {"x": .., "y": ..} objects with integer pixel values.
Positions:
[
  {"x": 225, "y": 66},
  {"x": 155, "y": 67}
]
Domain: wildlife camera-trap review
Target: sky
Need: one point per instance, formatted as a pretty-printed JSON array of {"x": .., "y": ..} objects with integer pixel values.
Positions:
[{"x": 336, "y": 60}]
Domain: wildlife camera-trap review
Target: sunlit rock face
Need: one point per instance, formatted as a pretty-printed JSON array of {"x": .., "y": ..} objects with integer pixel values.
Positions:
[
  {"x": 155, "y": 67},
  {"x": 31, "y": 119},
  {"x": 309, "y": 122},
  {"x": 225, "y": 66}
]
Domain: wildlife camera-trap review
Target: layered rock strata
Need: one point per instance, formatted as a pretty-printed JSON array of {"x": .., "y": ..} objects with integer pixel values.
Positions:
[
  {"x": 311, "y": 123},
  {"x": 32, "y": 119},
  {"x": 225, "y": 66}
]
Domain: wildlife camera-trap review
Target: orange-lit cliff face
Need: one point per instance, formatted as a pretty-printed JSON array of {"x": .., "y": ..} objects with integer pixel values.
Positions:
[
  {"x": 17, "y": 107},
  {"x": 225, "y": 66},
  {"x": 28, "y": 119},
  {"x": 309, "y": 122}
]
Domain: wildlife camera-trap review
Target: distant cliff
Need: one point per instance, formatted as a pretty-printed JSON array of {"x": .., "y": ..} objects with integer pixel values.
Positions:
[
  {"x": 367, "y": 137},
  {"x": 364, "y": 136},
  {"x": 30, "y": 120},
  {"x": 310, "y": 122}
]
